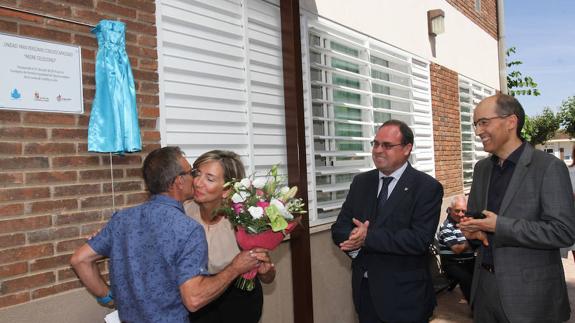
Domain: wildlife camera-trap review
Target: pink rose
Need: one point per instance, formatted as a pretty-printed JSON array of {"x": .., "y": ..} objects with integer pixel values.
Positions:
[
  {"x": 263, "y": 204},
  {"x": 238, "y": 208},
  {"x": 260, "y": 192}
]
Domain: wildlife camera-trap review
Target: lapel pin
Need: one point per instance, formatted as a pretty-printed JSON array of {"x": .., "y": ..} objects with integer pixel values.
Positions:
[{"x": 406, "y": 189}]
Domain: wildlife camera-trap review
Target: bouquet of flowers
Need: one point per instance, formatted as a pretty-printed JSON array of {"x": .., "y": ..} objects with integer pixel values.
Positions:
[{"x": 262, "y": 212}]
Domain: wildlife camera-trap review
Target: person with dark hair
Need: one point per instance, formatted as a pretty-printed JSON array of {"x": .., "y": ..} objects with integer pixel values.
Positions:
[
  {"x": 212, "y": 170},
  {"x": 158, "y": 255},
  {"x": 386, "y": 225},
  {"x": 508, "y": 105},
  {"x": 527, "y": 201}
]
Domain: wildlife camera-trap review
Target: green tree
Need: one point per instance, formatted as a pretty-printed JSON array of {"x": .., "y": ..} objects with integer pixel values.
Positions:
[
  {"x": 517, "y": 84},
  {"x": 540, "y": 128},
  {"x": 527, "y": 129},
  {"x": 567, "y": 116}
]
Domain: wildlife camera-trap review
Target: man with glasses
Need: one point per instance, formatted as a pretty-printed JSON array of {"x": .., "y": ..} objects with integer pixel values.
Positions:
[
  {"x": 527, "y": 200},
  {"x": 456, "y": 254},
  {"x": 158, "y": 255},
  {"x": 386, "y": 225}
]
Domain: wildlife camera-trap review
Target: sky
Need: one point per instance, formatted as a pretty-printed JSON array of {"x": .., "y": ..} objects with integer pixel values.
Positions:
[{"x": 544, "y": 34}]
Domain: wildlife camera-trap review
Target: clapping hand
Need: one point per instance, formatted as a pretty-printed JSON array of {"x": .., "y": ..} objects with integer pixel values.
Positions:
[{"x": 356, "y": 236}]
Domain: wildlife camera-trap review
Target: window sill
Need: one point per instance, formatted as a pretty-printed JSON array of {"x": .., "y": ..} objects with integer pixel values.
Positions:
[
  {"x": 316, "y": 227},
  {"x": 320, "y": 228}
]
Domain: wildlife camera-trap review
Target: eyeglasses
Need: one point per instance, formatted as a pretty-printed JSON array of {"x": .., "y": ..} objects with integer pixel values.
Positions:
[
  {"x": 458, "y": 211},
  {"x": 484, "y": 122},
  {"x": 384, "y": 145}
]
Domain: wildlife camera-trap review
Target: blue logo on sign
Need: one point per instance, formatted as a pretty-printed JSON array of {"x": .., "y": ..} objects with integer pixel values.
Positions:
[{"x": 15, "y": 94}]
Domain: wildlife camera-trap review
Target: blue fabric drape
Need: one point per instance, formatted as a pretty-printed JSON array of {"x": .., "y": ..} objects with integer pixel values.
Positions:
[{"x": 114, "y": 119}]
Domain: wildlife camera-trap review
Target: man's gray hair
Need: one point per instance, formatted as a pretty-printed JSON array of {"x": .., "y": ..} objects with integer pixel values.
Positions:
[{"x": 458, "y": 198}]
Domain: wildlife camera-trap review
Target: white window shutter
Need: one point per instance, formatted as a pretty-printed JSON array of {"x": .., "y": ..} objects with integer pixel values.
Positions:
[
  {"x": 470, "y": 94},
  {"x": 221, "y": 84}
]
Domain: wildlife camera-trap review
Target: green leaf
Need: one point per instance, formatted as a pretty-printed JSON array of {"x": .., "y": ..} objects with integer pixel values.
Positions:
[
  {"x": 277, "y": 221},
  {"x": 517, "y": 84}
]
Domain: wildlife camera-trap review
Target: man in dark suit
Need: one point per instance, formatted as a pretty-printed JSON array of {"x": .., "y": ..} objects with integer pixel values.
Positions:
[
  {"x": 527, "y": 199},
  {"x": 386, "y": 225}
]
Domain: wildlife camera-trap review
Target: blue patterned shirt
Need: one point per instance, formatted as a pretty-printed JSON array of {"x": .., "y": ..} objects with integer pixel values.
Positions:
[
  {"x": 153, "y": 249},
  {"x": 450, "y": 235}
]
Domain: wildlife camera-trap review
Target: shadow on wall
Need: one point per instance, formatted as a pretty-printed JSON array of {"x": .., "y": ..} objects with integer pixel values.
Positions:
[{"x": 331, "y": 274}]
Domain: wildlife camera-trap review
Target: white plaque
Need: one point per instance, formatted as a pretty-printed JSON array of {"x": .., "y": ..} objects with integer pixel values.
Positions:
[{"x": 37, "y": 75}]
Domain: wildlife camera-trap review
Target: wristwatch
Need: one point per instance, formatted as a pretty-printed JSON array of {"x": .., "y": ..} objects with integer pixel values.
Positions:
[{"x": 106, "y": 299}]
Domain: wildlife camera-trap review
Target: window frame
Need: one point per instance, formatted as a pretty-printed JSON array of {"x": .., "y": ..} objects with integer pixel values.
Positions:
[{"x": 407, "y": 87}]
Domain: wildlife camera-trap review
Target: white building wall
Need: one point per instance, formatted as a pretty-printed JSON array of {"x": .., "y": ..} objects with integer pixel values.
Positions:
[
  {"x": 464, "y": 47},
  {"x": 556, "y": 146}
]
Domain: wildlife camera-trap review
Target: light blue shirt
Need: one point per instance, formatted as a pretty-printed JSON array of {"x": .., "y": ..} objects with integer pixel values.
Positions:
[{"x": 153, "y": 248}]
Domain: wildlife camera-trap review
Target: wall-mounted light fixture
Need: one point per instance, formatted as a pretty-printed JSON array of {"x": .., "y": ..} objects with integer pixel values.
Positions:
[{"x": 435, "y": 22}]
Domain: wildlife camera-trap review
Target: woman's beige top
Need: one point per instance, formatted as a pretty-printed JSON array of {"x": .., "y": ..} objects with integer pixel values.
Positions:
[{"x": 222, "y": 245}]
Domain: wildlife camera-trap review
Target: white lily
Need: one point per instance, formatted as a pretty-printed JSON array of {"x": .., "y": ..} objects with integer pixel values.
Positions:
[{"x": 282, "y": 209}]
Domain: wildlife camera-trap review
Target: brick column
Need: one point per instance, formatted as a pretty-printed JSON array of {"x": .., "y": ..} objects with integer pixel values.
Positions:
[
  {"x": 486, "y": 18},
  {"x": 446, "y": 129}
]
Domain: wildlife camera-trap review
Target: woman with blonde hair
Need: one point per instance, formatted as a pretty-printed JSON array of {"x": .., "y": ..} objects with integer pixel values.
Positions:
[{"x": 211, "y": 171}]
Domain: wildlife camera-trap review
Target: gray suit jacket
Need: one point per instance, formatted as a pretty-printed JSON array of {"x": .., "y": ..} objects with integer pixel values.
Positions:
[{"x": 536, "y": 218}]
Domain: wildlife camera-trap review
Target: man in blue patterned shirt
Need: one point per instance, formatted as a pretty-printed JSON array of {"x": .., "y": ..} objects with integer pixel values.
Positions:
[
  {"x": 158, "y": 255},
  {"x": 456, "y": 254}
]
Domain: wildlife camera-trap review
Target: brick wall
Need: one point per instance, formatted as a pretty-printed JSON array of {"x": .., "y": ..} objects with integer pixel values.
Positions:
[
  {"x": 53, "y": 193},
  {"x": 446, "y": 129},
  {"x": 486, "y": 19}
]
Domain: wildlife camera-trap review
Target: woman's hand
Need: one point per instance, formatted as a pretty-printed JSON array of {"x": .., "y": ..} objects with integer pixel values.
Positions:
[{"x": 266, "y": 270}]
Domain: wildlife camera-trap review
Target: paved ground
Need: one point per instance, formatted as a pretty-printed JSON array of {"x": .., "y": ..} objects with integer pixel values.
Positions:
[{"x": 449, "y": 310}]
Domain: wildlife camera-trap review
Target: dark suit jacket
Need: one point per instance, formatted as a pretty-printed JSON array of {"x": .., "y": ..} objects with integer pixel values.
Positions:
[
  {"x": 536, "y": 218},
  {"x": 395, "y": 252}
]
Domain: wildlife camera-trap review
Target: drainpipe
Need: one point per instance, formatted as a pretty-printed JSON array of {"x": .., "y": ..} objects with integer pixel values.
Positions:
[{"x": 501, "y": 47}]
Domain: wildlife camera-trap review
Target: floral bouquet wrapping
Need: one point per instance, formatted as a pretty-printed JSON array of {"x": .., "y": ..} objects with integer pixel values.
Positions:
[{"x": 262, "y": 212}]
